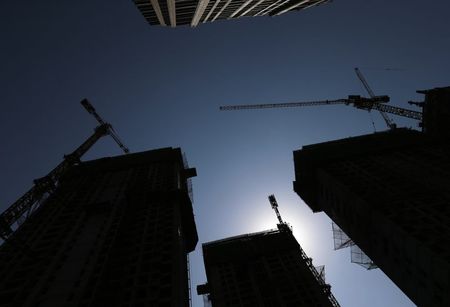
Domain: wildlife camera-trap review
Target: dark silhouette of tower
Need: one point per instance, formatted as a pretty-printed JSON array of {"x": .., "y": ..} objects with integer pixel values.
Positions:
[
  {"x": 390, "y": 193},
  {"x": 176, "y": 12},
  {"x": 267, "y": 268},
  {"x": 436, "y": 112},
  {"x": 116, "y": 232}
]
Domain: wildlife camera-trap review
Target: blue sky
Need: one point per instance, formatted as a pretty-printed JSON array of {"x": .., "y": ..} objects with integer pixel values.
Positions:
[{"x": 162, "y": 87}]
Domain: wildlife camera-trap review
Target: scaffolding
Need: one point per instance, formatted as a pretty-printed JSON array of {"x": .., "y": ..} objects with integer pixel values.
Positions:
[
  {"x": 359, "y": 257},
  {"x": 341, "y": 240},
  {"x": 188, "y": 265},
  {"x": 207, "y": 300},
  {"x": 319, "y": 275},
  {"x": 321, "y": 270}
]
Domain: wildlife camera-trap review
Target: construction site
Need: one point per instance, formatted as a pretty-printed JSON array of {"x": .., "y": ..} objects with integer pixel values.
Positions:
[
  {"x": 100, "y": 206},
  {"x": 386, "y": 193},
  {"x": 125, "y": 223}
]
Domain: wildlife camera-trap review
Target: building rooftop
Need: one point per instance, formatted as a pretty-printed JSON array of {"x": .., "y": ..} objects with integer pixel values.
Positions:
[
  {"x": 163, "y": 155},
  {"x": 257, "y": 254},
  {"x": 312, "y": 157}
]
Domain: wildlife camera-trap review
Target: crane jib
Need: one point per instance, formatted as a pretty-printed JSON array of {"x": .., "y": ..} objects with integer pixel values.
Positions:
[
  {"x": 29, "y": 202},
  {"x": 283, "y": 105},
  {"x": 376, "y": 103}
]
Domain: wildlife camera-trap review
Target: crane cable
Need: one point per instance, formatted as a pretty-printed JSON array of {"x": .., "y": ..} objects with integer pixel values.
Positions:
[{"x": 373, "y": 123}]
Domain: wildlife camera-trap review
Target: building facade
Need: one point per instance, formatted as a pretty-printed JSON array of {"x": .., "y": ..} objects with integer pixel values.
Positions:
[
  {"x": 268, "y": 268},
  {"x": 116, "y": 232},
  {"x": 390, "y": 193},
  {"x": 193, "y": 12},
  {"x": 436, "y": 112}
]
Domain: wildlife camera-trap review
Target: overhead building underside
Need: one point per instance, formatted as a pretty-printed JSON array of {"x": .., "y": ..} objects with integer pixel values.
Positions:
[{"x": 192, "y": 12}]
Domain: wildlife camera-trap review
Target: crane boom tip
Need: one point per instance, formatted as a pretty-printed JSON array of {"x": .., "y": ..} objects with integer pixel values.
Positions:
[{"x": 87, "y": 105}]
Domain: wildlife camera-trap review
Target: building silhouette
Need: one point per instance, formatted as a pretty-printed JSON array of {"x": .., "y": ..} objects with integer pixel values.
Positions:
[
  {"x": 267, "y": 268},
  {"x": 436, "y": 112},
  {"x": 116, "y": 232},
  {"x": 175, "y": 12},
  {"x": 389, "y": 192}
]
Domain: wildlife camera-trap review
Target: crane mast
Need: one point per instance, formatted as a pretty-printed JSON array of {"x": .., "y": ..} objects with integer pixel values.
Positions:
[
  {"x": 31, "y": 200},
  {"x": 282, "y": 226}
]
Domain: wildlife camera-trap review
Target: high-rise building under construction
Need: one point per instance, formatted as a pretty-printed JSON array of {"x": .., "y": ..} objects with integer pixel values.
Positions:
[
  {"x": 176, "y": 12},
  {"x": 267, "y": 268},
  {"x": 116, "y": 232},
  {"x": 389, "y": 194}
]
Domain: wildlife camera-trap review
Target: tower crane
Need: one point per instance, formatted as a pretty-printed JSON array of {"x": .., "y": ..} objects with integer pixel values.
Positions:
[
  {"x": 282, "y": 226},
  {"x": 373, "y": 102},
  {"x": 22, "y": 208}
]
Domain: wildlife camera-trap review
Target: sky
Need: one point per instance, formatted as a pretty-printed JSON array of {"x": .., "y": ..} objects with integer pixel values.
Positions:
[{"x": 163, "y": 87}]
